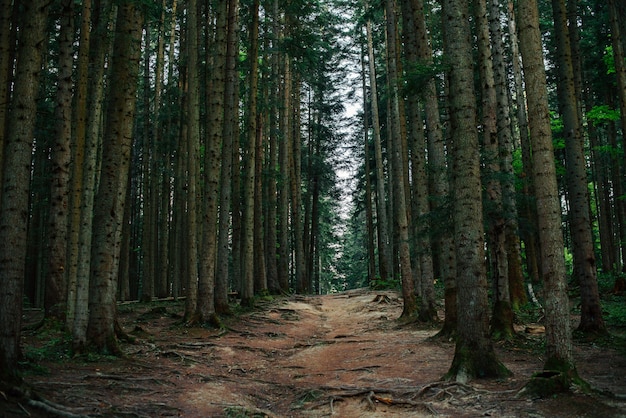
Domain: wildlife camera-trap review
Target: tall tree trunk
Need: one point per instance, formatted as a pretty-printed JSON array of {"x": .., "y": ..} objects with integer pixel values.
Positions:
[
  {"x": 421, "y": 206},
  {"x": 111, "y": 196},
  {"x": 617, "y": 40},
  {"x": 78, "y": 153},
  {"x": 384, "y": 250},
  {"x": 302, "y": 282},
  {"x": 502, "y": 318},
  {"x": 528, "y": 209},
  {"x": 399, "y": 202},
  {"x": 442, "y": 242},
  {"x": 223, "y": 64},
  {"x": 196, "y": 303},
  {"x": 558, "y": 327},
  {"x": 148, "y": 224},
  {"x": 284, "y": 252},
  {"x": 517, "y": 292},
  {"x": 55, "y": 301},
  {"x": 85, "y": 185},
  {"x": 247, "y": 251},
  {"x": 271, "y": 232},
  {"x": 369, "y": 213},
  {"x": 578, "y": 192},
  {"x": 16, "y": 180},
  {"x": 474, "y": 354}
]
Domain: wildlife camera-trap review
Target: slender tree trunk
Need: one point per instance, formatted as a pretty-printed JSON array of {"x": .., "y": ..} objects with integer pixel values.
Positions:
[
  {"x": 399, "y": 203},
  {"x": 369, "y": 215},
  {"x": 505, "y": 140},
  {"x": 111, "y": 196},
  {"x": 197, "y": 308},
  {"x": 284, "y": 252},
  {"x": 302, "y": 282},
  {"x": 558, "y": 327},
  {"x": 230, "y": 154},
  {"x": 384, "y": 250},
  {"x": 271, "y": 232},
  {"x": 16, "y": 180},
  {"x": 474, "y": 354}
]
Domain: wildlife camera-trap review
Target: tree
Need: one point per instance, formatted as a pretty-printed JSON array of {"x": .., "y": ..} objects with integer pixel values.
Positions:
[
  {"x": 111, "y": 195},
  {"x": 474, "y": 355},
  {"x": 420, "y": 193},
  {"x": 399, "y": 192},
  {"x": 253, "y": 131},
  {"x": 517, "y": 293},
  {"x": 502, "y": 318},
  {"x": 56, "y": 283},
  {"x": 577, "y": 185},
  {"x": 16, "y": 180},
  {"x": 382, "y": 224},
  {"x": 558, "y": 329}
]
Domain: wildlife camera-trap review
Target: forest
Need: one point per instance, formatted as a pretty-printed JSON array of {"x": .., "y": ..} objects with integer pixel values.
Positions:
[{"x": 219, "y": 158}]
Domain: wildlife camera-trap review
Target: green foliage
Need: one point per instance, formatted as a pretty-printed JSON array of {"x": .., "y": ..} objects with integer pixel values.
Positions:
[
  {"x": 602, "y": 114},
  {"x": 609, "y": 60}
]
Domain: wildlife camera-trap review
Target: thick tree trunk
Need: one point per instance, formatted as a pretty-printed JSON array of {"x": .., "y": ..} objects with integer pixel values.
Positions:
[
  {"x": 16, "y": 180},
  {"x": 474, "y": 355},
  {"x": 578, "y": 192},
  {"x": 420, "y": 225},
  {"x": 502, "y": 317},
  {"x": 558, "y": 327},
  {"x": 55, "y": 301},
  {"x": 111, "y": 196},
  {"x": 86, "y": 167}
]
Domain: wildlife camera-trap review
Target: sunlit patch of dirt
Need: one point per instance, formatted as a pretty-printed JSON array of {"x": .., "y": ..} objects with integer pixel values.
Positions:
[{"x": 342, "y": 355}]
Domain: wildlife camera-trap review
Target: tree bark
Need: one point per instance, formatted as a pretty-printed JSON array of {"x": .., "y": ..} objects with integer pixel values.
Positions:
[
  {"x": 15, "y": 186},
  {"x": 55, "y": 300},
  {"x": 502, "y": 318},
  {"x": 253, "y": 130},
  {"x": 591, "y": 320},
  {"x": 420, "y": 196},
  {"x": 399, "y": 202},
  {"x": 556, "y": 304},
  {"x": 384, "y": 248},
  {"x": 474, "y": 355},
  {"x": 111, "y": 196}
]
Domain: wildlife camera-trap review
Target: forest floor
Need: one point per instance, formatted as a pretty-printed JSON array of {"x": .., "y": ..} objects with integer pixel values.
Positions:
[{"x": 342, "y": 355}]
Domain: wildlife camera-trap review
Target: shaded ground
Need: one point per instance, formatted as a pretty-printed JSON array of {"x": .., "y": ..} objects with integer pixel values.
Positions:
[{"x": 342, "y": 355}]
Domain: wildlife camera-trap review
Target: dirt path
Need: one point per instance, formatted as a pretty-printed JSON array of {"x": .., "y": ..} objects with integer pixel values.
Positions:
[{"x": 340, "y": 355}]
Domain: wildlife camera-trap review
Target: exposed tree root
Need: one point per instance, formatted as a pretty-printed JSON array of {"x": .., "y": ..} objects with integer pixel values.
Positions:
[{"x": 425, "y": 397}]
